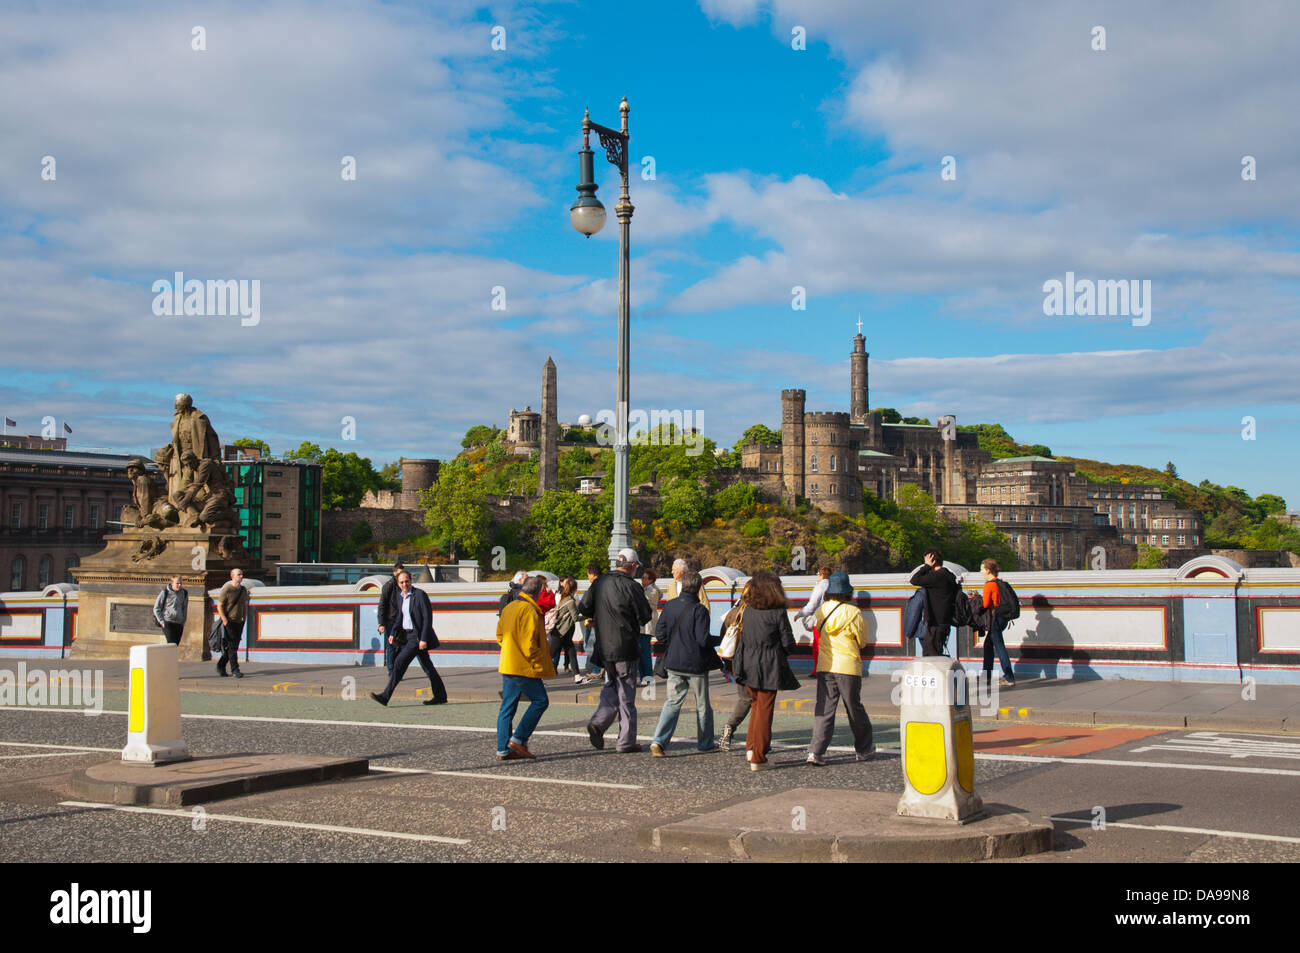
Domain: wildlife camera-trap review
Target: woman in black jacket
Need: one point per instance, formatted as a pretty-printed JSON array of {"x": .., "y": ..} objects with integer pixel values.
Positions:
[{"x": 762, "y": 660}]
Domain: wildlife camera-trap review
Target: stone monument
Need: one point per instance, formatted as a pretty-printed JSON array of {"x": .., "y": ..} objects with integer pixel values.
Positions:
[{"x": 185, "y": 525}]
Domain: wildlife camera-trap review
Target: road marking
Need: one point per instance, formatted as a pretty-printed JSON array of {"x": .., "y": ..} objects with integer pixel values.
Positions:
[
  {"x": 1172, "y": 828},
  {"x": 43, "y": 754},
  {"x": 283, "y": 686},
  {"x": 509, "y": 777},
  {"x": 1031, "y": 759},
  {"x": 29, "y": 744},
  {"x": 1211, "y": 742},
  {"x": 266, "y": 822}
]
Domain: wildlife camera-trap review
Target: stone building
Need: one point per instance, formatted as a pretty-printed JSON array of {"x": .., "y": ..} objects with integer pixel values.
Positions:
[
  {"x": 56, "y": 508},
  {"x": 1053, "y": 517},
  {"x": 524, "y": 430}
]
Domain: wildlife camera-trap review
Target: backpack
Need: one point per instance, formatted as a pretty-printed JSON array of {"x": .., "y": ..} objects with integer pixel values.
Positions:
[
  {"x": 1008, "y": 602},
  {"x": 962, "y": 615}
]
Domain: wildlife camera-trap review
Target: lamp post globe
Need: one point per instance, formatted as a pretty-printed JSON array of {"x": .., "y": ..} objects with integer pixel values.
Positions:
[{"x": 587, "y": 215}]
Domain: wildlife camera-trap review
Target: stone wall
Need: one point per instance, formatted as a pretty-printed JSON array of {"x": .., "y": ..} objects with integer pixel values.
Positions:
[{"x": 384, "y": 524}]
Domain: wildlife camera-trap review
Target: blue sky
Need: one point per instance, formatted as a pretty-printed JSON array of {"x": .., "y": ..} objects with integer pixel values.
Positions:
[{"x": 774, "y": 167}]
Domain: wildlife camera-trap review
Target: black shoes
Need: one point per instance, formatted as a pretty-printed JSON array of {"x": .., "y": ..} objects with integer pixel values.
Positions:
[
  {"x": 597, "y": 737},
  {"x": 379, "y": 698},
  {"x": 435, "y": 701},
  {"x": 237, "y": 673},
  {"x": 221, "y": 670}
]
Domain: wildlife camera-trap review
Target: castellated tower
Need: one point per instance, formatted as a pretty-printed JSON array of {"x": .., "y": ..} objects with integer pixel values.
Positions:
[
  {"x": 830, "y": 472},
  {"x": 858, "y": 404},
  {"x": 548, "y": 471},
  {"x": 792, "y": 446}
]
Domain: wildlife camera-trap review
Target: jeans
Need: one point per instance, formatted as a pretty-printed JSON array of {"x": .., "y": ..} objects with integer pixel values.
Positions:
[
  {"x": 993, "y": 643},
  {"x": 618, "y": 696},
  {"x": 645, "y": 665},
  {"x": 743, "y": 703},
  {"x": 512, "y": 688},
  {"x": 230, "y": 636},
  {"x": 678, "y": 683},
  {"x": 588, "y": 644},
  {"x": 390, "y": 653}
]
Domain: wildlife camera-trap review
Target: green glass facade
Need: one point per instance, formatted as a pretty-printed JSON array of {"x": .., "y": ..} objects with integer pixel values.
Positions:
[{"x": 263, "y": 485}]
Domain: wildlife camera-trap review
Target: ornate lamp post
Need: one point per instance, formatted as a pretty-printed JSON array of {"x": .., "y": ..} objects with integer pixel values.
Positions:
[{"x": 588, "y": 217}]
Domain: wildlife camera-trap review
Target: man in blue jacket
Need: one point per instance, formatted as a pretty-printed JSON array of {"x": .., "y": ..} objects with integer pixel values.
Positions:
[
  {"x": 411, "y": 629},
  {"x": 689, "y": 658}
]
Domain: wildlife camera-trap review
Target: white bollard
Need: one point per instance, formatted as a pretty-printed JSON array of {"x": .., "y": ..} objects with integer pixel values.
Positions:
[
  {"x": 934, "y": 729},
  {"x": 153, "y": 728}
]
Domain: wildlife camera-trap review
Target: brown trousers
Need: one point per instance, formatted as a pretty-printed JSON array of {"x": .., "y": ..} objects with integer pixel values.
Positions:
[{"x": 758, "y": 739}]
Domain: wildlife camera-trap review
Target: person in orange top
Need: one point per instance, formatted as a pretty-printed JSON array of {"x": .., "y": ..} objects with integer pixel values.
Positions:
[
  {"x": 525, "y": 662},
  {"x": 989, "y": 600}
]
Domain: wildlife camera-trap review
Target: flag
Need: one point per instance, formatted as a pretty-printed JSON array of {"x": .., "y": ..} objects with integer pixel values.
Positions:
[
  {"x": 66, "y": 428},
  {"x": 10, "y": 423}
]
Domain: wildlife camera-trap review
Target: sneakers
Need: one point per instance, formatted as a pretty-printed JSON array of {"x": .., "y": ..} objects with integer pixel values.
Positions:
[
  {"x": 759, "y": 765},
  {"x": 237, "y": 673},
  {"x": 657, "y": 749},
  {"x": 579, "y": 680},
  {"x": 725, "y": 741},
  {"x": 597, "y": 737},
  {"x": 644, "y": 681},
  {"x": 817, "y": 760}
]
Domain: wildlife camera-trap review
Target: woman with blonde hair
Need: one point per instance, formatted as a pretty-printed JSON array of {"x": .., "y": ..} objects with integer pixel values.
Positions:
[
  {"x": 741, "y": 711},
  {"x": 762, "y": 662},
  {"x": 566, "y": 623}
]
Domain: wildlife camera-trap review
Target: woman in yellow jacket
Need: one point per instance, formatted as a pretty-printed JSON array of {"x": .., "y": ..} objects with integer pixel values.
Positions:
[
  {"x": 525, "y": 661},
  {"x": 839, "y": 670}
]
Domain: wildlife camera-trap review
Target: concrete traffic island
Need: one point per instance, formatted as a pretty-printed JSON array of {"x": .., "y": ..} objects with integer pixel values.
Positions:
[
  {"x": 207, "y": 778},
  {"x": 816, "y": 825}
]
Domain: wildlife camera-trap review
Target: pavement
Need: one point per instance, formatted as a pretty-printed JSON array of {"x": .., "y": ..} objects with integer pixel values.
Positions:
[{"x": 1045, "y": 701}]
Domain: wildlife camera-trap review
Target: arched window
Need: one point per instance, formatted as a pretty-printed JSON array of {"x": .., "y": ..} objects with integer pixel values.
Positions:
[
  {"x": 812, "y": 463},
  {"x": 68, "y": 565},
  {"x": 16, "y": 574},
  {"x": 43, "y": 573},
  {"x": 832, "y": 463}
]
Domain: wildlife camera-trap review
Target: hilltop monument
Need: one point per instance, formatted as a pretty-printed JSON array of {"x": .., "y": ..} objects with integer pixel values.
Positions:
[
  {"x": 184, "y": 524},
  {"x": 548, "y": 471}
]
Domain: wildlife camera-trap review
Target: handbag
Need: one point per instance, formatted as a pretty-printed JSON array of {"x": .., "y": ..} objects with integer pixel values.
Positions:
[
  {"x": 731, "y": 638},
  {"x": 215, "y": 636}
]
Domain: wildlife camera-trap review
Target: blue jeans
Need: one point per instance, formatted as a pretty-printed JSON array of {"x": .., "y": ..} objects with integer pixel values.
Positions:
[
  {"x": 390, "y": 653},
  {"x": 993, "y": 643},
  {"x": 678, "y": 682},
  {"x": 512, "y": 687},
  {"x": 589, "y": 643},
  {"x": 645, "y": 665}
]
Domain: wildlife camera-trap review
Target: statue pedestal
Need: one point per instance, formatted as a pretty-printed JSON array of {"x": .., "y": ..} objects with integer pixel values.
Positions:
[{"x": 118, "y": 585}]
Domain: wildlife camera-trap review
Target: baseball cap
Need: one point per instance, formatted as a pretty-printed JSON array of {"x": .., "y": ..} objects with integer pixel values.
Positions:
[{"x": 628, "y": 557}]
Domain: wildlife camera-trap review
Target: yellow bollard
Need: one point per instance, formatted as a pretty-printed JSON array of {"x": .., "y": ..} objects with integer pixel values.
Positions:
[
  {"x": 934, "y": 729},
  {"x": 153, "y": 724}
]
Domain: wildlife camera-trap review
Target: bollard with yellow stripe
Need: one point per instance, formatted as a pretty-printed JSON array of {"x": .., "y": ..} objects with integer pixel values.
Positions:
[
  {"x": 934, "y": 729},
  {"x": 153, "y": 724}
]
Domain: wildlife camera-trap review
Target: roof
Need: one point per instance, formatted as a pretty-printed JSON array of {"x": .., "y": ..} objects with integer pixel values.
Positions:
[
  {"x": 1025, "y": 460},
  {"x": 65, "y": 458},
  {"x": 876, "y": 453}
]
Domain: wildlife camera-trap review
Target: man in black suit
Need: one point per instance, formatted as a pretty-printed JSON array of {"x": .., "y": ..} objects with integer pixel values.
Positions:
[
  {"x": 389, "y": 604},
  {"x": 941, "y": 591},
  {"x": 411, "y": 629}
]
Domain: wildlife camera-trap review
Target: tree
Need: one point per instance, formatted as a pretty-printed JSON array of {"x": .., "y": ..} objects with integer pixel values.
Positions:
[
  {"x": 258, "y": 444},
  {"x": 759, "y": 434},
  {"x": 390, "y": 475},
  {"x": 567, "y": 532},
  {"x": 1171, "y": 471},
  {"x": 685, "y": 502},
  {"x": 1270, "y": 503},
  {"x": 456, "y": 508},
  {"x": 1149, "y": 557},
  {"x": 480, "y": 435},
  {"x": 345, "y": 478},
  {"x": 1039, "y": 450},
  {"x": 734, "y": 500},
  {"x": 307, "y": 452}
]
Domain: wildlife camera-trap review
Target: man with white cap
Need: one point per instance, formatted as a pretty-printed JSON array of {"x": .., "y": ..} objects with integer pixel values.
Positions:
[{"x": 617, "y": 605}]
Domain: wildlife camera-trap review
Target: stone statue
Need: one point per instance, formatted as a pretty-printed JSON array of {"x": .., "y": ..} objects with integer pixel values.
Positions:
[
  {"x": 191, "y": 433},
  {"x": 206, "y": 500},
  {"x": 150, "y": 507}
]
